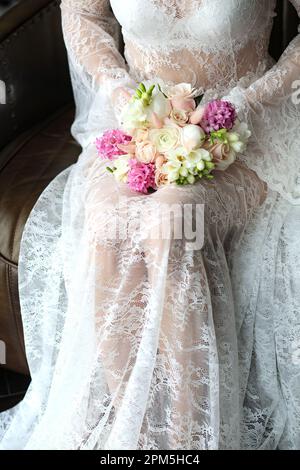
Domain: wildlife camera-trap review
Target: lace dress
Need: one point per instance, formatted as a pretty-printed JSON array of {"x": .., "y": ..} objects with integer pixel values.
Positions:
[{"x": 142, "y": 343}]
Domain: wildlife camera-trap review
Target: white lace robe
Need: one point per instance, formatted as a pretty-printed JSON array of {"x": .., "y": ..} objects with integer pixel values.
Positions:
[{"x": 136, "y": 343}]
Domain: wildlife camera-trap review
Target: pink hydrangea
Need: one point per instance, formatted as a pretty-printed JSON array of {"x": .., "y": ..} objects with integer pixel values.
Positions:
[
  {"x": 141, "y": 176},
  {"x": 107, "y": 144},
  {"x": 218, "y": 114}
]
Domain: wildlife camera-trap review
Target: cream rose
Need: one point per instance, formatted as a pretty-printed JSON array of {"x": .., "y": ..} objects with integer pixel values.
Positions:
[
  {"x": 222, "y": 156},
  {"x": 165, "y": 138},
  {"x": 181, "y": 96},
  {"x": 145, "y": 151},
  {"x": 179, "y": 117}
]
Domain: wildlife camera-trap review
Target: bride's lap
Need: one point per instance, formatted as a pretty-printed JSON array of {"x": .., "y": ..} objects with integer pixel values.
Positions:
[
  {"x": 135, "y": 272},
  {"x": 231, "y": 196}
]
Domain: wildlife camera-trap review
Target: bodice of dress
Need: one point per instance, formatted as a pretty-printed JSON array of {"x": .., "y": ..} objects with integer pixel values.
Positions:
[
  {"x": 208, "y": 43},
  {"x": 219, "y": 46}
]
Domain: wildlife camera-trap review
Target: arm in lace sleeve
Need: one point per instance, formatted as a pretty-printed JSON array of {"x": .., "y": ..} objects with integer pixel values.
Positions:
[
  {"x": 271, "y": 106},
  {"x": 280, "y": 80},
  {"x": 92, "y": 36}
]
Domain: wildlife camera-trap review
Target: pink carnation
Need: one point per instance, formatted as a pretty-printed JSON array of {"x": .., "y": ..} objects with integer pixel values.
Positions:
[
  {"x": 141, "y": 176},
  {"x": 218, "y": 114},
  {"x": 107, "y": 144}
]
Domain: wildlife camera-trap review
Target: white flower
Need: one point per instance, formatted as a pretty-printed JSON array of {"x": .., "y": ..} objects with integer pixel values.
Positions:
[
  {"x": 159, "y": 105},
  {"x": 235, "y": 143},
  {"x": 191, "y": 179},
  {"x": 165, "y": 138},
  {"x": 134, "y": 115},
  {"x": 184, "y": 164},
  {"x": 138, "y": 114},
  {"x": 176, "y": 165},
  {"x": 238, "y": 137},
  {"x": 243, "y": 130},
  {"x": 192, "y": 136},
  {"x": 121, "y": 168},
  {"x": 199, "y": 155}
]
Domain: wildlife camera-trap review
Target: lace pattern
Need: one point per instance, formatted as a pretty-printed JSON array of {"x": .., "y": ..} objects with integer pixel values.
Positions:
[{"x": 142, "y": 343}]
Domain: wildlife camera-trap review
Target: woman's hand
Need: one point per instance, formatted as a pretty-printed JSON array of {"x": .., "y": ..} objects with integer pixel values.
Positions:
[{"x": 120, "y": 97}]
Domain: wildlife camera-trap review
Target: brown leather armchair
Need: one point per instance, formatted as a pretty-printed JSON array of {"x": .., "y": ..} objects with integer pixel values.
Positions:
[{"x": 35, "y": 145}]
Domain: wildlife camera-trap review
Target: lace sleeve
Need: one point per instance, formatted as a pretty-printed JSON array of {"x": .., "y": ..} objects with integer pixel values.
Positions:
[
  {"x": 271, "y": 105},
  {"x": 92, "y": 37},
  {"x": 98, "y": 70}
]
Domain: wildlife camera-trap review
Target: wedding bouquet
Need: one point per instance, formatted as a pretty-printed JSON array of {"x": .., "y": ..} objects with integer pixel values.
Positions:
[{"x": 166, "y": 137}]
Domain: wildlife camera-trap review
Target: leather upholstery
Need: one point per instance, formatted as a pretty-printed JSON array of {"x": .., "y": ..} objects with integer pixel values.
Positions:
[
  {"x": 33, "y": 160},
  {"x": 35, "y": 141},
  {"x": 34, "y": 147}
]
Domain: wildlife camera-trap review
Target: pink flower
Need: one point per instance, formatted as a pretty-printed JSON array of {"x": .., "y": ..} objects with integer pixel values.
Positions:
[
  {"x": 156, "y": 121},
  {"x": 218, "y": 114},
  {"x": 179, "y": 117},
  {"x": 107, "y": 144},
  {"x": 183, "y": 103},
  {"x": 222, "y": 155},
  {"x": 161, "y": 179},
  {"x": 141, "y": 176},
  {"x": 181, "y": 97},
  {"x": 197, "y": 116}
]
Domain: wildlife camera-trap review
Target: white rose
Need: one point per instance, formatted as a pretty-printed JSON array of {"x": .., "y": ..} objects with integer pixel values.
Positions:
[
  {"x": 165, "y": 138},
  {"x": 192, "y": 136}
]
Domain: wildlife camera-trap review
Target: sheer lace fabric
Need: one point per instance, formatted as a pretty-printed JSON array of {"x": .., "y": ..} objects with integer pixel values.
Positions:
[{"x": 136, "y": 342}]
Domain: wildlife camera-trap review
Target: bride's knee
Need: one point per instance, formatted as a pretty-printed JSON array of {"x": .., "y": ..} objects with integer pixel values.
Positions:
[{"x": 174, "y": 213}]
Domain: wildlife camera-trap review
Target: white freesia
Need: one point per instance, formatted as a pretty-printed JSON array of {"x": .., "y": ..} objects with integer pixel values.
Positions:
[
  {"x": 138, "y": 114},
  {"x": 134, "y": 115},
  {"x": 182, "y": 163},
  {"x": 235, "y": 143},
  {"x": 243, "y": 132},
  {"x": 192, "y": 136},
  {"x": 165, "y": 138},
  {"x": 177, "y": 164},
  {"x": 121, "y": 168},
  {"x": 199, "y": 155}
]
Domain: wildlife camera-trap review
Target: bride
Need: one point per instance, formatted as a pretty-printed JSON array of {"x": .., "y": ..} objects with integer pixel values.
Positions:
[{"x": 143, "y": 343}]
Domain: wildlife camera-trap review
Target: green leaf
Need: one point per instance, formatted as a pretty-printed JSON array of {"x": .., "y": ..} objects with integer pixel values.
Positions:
[
  {"x": 159, "y": 87},
  {"x": 142, "y": 87},
  {"x": 150, "y": 91}
]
